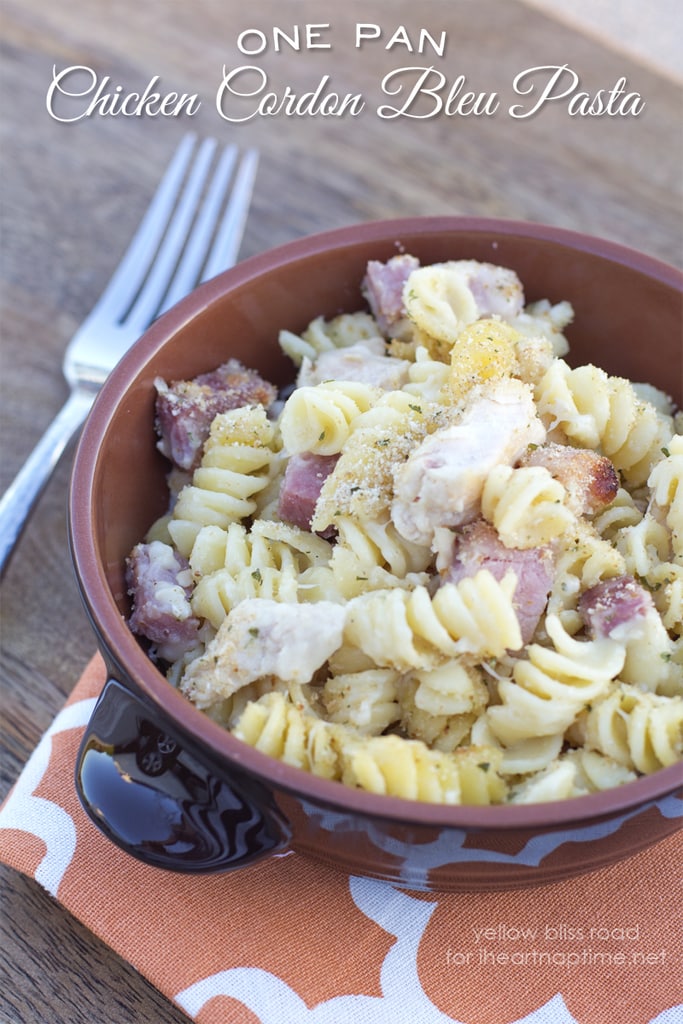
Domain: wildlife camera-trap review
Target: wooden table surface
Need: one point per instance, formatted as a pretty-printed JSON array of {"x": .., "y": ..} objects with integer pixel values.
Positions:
[{"x": 73, "y": 193}]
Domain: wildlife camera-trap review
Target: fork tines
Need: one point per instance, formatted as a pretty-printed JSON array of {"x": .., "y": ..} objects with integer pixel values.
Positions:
[{"x": 190, "y": 232}]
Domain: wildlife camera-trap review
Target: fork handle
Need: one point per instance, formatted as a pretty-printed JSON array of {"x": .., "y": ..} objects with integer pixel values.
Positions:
[{"x": 21, "y": 495}]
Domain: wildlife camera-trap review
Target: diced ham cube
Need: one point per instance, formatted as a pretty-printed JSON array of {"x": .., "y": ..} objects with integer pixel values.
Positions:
[
  {"x": 612, "y": 603},
  {"x": 186, "y": 408},
  {"x": 304, "y": 477},
  {"x": 478, "y": 546},
  {"x": 383, "y": 288},
  {"x": 160, "y": 584}
]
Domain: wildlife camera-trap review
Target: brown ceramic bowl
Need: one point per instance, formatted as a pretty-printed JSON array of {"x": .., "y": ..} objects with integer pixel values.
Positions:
[{"x": 172, "y": 787}]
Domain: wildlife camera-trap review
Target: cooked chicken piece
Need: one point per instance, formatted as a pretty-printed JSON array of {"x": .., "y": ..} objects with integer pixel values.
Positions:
[
  {"x": 366, "y": 362},
  {"x": 261, "y": 638},
  {"x": 590, "y": 480},
  {"x": 441, "y": 482}
]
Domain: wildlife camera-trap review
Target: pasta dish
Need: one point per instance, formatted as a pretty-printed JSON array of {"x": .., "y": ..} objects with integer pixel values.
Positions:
[{"x": 445, "y": 566}]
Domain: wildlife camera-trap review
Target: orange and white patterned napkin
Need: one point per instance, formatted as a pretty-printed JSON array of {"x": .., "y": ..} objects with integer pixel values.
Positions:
[{"x": 291, "y": 941}]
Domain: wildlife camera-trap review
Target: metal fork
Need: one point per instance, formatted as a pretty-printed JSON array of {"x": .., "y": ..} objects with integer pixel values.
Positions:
[{"x": 191, "y": 231}]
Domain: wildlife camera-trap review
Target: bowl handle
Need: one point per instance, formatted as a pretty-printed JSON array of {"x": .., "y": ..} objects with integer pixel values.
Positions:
[{"x": 149, "y": 794}]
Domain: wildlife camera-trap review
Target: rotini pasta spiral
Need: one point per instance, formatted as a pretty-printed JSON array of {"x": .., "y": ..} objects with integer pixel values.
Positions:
[
  {"x": 427, "y": 377},
  {"x": 522, "y": 757},
  {"x": 379, "y": 764},
  {"x": 393, "y": 410},
  {"x": 410, "y": 629},
  {"x": 595, "y": 410},
  {"x": 554, "y": 782},
  {"x": 267, "y": 499},
  {"x": 408, "y": 768},
  {"x": 644, "y": 545},
  {"x": 265, "y": 544},
  {"x": 622, "y": 512},
  {"x": 666, "y": 484},
  {"x": 551, "y": 686},
  {"x": 276, "y": 726},
  {"x": 439, "y": 706},
  {"x": 236, "y": 465},
  {"x": 644, "y": 548},
  {"x": 665, "y": 582},
  {"x": 582, "y": 560},
  {"x": 232, "y": 549},
  {"x": 366, "y": 700},
  {"x": 453, "y": 688},
  {"x": 642, "y": 731},
  {"x": 546, "y": 321},
  {"x": 318, "y": 418},
  {"x": 325, "y": 335},
  {"x": 270, "y": 560},
  {"x": 229, "y": 711},
  {"x": 371, "y": 555},
  {"x": 526, "y": 506},
  {"x": 439, "y": 302},
  {"x": 573, "y": 773},
  {"x": 439, "y": 732},
  {"x": 217, "y": 594},
  {"x": 596, "y": 771}
]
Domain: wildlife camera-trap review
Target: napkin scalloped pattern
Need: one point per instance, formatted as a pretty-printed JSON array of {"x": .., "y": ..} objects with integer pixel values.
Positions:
[{"x": 292, "y": 941}]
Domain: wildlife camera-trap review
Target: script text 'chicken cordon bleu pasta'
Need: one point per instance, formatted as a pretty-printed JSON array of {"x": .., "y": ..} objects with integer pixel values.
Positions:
[{"x": 448, "y": 566}]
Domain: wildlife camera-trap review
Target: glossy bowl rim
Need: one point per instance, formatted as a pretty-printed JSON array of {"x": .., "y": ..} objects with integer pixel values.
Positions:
[{"x": 123, "y": 649}]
